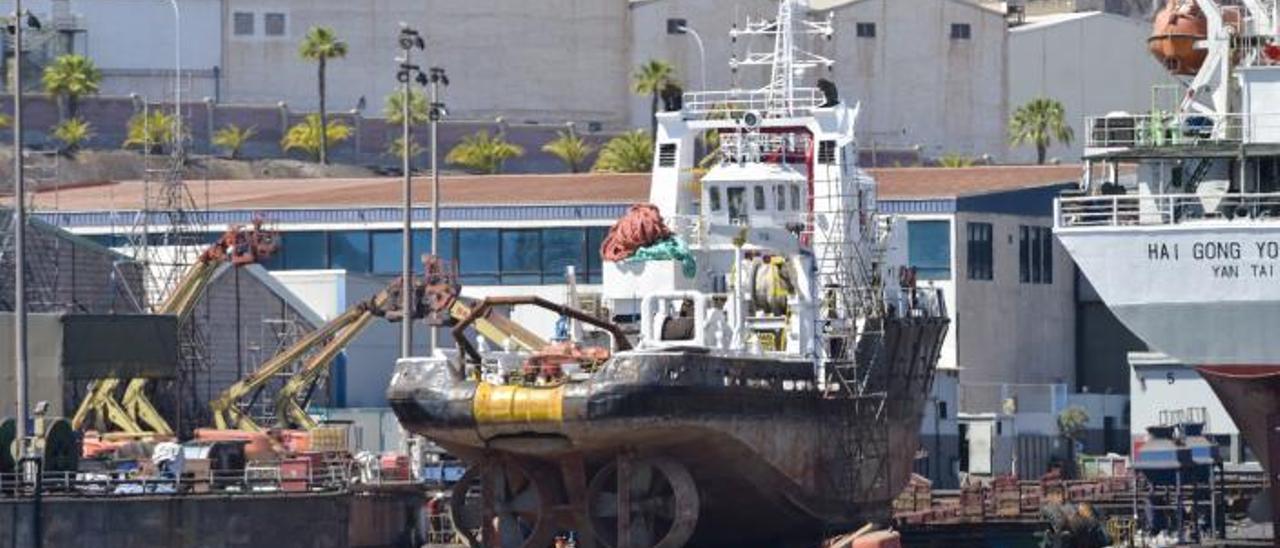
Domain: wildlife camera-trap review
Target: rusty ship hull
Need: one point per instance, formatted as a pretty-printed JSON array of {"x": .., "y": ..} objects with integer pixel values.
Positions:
[{"x": 772, "y": 460}]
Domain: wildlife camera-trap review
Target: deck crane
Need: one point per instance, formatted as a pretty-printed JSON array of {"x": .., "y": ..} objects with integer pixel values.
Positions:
[
  {"x": 438, "y": 296},
  {"x": 133, "y": 413}
]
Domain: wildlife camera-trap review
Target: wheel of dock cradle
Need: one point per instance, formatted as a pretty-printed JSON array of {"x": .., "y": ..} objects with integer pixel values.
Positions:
[
  {"x": 652, "y": 504},
  {"x": 504, "y": 503}
]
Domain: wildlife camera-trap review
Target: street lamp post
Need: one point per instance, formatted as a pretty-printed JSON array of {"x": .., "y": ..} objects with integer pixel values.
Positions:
[
  {"x": 19, "y": 237},
  {"x": 177, "y": 77},
  {"x": 410, "y": 39},
  {"x": 680, "y": 26},
  {"x": 437, "y": 78}
]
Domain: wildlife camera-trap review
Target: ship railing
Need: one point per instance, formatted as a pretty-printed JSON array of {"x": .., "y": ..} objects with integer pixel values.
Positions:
[
  {"x": 760, "y": 147},
  {"x": 689, "y": 228},
  {"x": 734, "y": 104},
  {"x": 113, "y": 483},
  {"x": 1179, "y": 129},
  {"x": 1162, "y": 209}
]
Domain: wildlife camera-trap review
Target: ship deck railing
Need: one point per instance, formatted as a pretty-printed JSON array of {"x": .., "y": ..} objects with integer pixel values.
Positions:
[
  {"x": 257, "y": 478},
  {"x": 735, "y": 103},
  {"x": 764, "y": 147},
  {"x": 1159, "y": 130},
  {"x": 1162, "y": 209}
]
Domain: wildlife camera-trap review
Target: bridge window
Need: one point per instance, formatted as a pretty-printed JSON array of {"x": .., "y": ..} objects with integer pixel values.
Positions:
[
  {"x": 780, "y": 197},
  {"x": 795, "y": 198},
  {"x": 961, "y": 31},
  {"x": 737, "y": 203},
  {"x": 929, "y": 249},
  {"x": 758, "y": 195},
  {"x": 713, "y": 197}
]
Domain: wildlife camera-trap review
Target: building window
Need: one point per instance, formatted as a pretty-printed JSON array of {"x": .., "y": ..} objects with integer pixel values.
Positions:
[
  {"x": 302, "y": 251},
  {"x": 349, "y": 250},
  {"x": 387, "y": 252},
  {"x": 273, "y": 24},
  {"x": 561, "y": 249},
  {"x": 1035, "y": 255},
  {"x": 478, "y": 257},
  {"x": 960, "y": 31},
  {"x": 929, "y": 249},
  {"x": 865, "y": 30},
  {"x": 521, "y": 257},
  {"x": 595, "y": 241},
  {"x": 980, "y": 251},
  {"x": 242, "y": 22}
]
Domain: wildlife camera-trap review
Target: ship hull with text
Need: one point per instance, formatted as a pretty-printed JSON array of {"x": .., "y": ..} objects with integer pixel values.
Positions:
[
  {"x": 1206, "y": 293},
  {"x": 1178, "y": 227}
]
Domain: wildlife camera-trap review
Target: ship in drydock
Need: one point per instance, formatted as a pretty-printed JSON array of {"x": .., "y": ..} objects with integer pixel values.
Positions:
[
  {"x": 1186, "y": 252},
  {"x": 761, "y": 370}
]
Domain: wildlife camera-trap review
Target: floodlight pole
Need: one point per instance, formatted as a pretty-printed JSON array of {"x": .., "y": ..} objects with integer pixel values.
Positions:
[
  {"x": 406, "y": 273},
  {"x": 19, "y": 238},
  {"x": 436, "y": 111}
]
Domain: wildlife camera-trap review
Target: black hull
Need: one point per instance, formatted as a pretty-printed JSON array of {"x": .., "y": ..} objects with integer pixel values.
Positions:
[{"x": 775, "y": 460}]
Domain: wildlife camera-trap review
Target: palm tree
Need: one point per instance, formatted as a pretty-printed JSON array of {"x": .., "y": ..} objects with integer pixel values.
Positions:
[
  {"x": 956, "y": 161},
  {"x": 69, "y": 78},
  {"x": 1039, "y": 123},
  {"x": 319, "y": 45},
  {"x": 396, "y": 148},
  {"x": 570, "y": 149},
  {"x": 630, "y": 152},
  {"x": 419, "y": 113},
  {"x": 73, "y": 132},
  {"x": 650, "y": 79},
  {"x": 150, "y": 131},
  {"x": 307, "y": 137},
  {"x": 232, "y": 138},
  {"x": 483, "y": 153}
]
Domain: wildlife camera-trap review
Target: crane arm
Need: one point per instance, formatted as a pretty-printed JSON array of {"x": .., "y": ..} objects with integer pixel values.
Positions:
[
  {"x": 226, "y": 411},
  {"x": 289, "y": 410},
  {"x": 238, "y": 246}
]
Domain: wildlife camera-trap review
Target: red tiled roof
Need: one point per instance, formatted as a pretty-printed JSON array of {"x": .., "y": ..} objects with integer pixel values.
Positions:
[{"x": 895, "y": 183}]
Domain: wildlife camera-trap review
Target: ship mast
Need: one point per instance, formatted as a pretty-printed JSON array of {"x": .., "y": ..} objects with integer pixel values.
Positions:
[{"x": 787, "y": 62}]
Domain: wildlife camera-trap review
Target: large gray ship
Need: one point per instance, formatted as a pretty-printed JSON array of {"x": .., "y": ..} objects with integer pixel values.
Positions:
[{"x": 754, "y": 371}]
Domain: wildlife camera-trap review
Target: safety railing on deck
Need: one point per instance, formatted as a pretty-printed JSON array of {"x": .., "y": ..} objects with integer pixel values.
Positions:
[
  {"x": 1160, "y": 130},
  {"x": 259, "y": 478},
  {"x": 761, "y": 147},
  {"x": 1163, "y": 209},
  {"x": 732, "y": 104}
]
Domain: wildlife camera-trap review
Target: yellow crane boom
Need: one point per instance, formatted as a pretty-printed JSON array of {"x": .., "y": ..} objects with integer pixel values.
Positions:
[{"x": 134, "y": 414}]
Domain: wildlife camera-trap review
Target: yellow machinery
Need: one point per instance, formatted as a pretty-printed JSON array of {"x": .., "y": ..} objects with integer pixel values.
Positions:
[
  {"x": 134, "y": 414},
  {"x": 442, "y": 302}
]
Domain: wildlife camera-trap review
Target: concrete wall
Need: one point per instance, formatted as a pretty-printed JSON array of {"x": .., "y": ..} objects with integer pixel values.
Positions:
[
  {"x": 318, "y": 520},
  {"x": 1094, "y": 63},
  {"x": 920, "y": 87},
  {"x": 1008, "y": 331},
  {"x": 133, "y": 41},
  {"x": 556, "y": 60},
  {"x": 917, "y": 85},
  {"x": 311, "y": 520}
]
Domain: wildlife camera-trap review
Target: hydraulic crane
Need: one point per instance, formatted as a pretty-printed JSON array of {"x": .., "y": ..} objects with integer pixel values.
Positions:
[
  {"x": 331, "y": 338},
  {"x": 134, "y": 414},
  {"x": 436, "y": 297}
]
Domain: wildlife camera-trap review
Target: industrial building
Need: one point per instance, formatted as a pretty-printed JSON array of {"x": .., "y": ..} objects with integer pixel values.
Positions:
[
  {"x": 958, "y": 67},
  {"x": 979, "y": 233}
]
